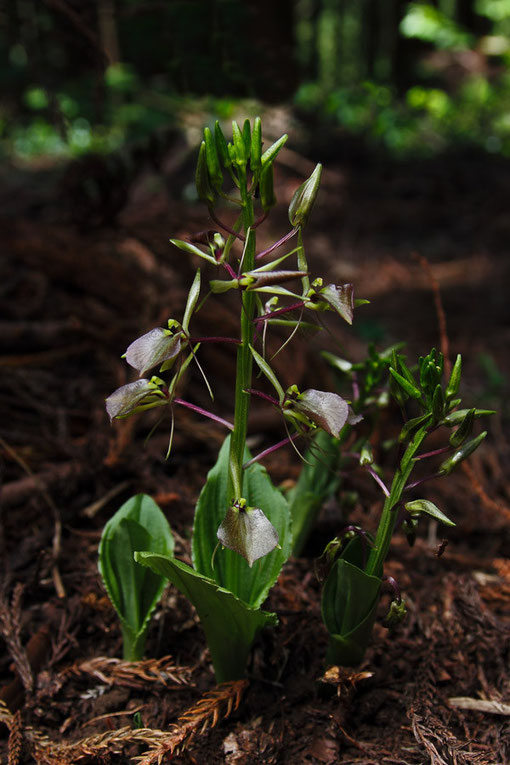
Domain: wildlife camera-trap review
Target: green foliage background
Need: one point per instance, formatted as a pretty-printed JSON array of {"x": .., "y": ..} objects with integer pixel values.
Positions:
[{"x": 412, "y": 77}]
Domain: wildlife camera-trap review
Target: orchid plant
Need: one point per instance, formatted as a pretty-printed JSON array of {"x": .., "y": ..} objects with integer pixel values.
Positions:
[{"x": 244, "y": 527}]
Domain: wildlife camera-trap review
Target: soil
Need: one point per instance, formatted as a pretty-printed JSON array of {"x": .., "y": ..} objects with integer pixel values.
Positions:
[{"x": 81, "y": 276}]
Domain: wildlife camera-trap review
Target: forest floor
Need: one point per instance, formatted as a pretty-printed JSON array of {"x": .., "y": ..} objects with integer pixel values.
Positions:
[{"x": 77, "y": 285}]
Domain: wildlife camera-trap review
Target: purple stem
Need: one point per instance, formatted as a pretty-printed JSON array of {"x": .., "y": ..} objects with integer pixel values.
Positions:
[
  {"x": 378, "y": 480},
  {"x": 225, "y": 227},
  {"x": 260, "y": 220},
  {"x": 265, "y": 396},
  {"x": 277, "y": 244},
  {"x": 271, "y": 449},
  {"x": 271, "y": 315},
  {"x": 230, "y": 270},
  {"x": 204, "y": 412},
  {"x": 442, "y": 450},
  {"x": 421, "y": 480}
]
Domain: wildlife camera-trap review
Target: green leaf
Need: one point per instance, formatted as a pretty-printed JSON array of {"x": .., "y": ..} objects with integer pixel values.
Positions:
[
  {"x": 138, "y": 525},
  {"x": 192, "y": 250},
  {"x": 318, "y": 480},
  {"x": 268, "y": 372},
  {"x": 191, "y": 302},
  {"x": 349, "y": 605},
  {"x": 418, "y": 506},
  {"x": 228, "y": 569},
  {"x": 230, "y": 625}
]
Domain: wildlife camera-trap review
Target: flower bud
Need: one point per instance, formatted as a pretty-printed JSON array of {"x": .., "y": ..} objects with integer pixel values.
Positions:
[
  {"x": 304, "y": 198},
  {"x": 204, "y": 189},
  {"x": 461, "y": 454},
  {"x": 464, "y": 430}
]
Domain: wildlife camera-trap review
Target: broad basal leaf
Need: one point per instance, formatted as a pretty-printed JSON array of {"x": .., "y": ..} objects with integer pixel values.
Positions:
[
  {"x": 134, "y": 591},
  {"x": 230, "y": 625}
]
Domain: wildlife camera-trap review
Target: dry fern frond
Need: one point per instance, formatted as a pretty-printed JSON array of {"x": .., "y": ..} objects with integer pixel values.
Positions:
[
  {"x": 133, "y": 673},
  {"x": 47, "y": 752},
  {"x": 15, "y": 743},
  {"x": 203, "y": 715},
  {"x": 10, "y": 628},
  {"x": 219, "y": 702}
]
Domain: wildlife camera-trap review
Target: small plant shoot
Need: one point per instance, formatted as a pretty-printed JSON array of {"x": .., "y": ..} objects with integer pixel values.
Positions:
[
  {"x": 245, "y": 528},
  {"x": 138, "y": 525}
]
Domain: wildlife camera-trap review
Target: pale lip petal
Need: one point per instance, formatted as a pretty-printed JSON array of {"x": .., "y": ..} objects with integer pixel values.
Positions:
[
  {"x": 248, "y": 532},
  {"x": 341, "y": 299},
  {"x": 327, "y": 410},
  {"x": 123, "y": 400},
  {"x": 153, "y": 348}
]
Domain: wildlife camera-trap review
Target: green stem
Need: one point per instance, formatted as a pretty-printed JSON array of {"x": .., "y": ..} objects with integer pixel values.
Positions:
[
  {"x": 244, "y": 357},
  {"x": 133, "y": 646},
  {"x": 389, "y": 514}
]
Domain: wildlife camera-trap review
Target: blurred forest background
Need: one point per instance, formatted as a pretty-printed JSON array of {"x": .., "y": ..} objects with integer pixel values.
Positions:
[{"x": 409, "y": 77}]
